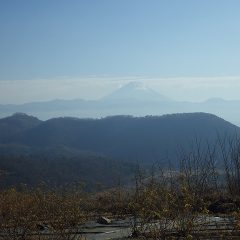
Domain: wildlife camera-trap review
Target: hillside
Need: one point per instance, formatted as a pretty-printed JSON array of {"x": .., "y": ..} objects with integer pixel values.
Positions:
[{"x": 60, "y": 167}]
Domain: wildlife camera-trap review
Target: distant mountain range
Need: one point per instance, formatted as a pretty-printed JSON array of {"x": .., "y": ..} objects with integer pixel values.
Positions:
[{"x": 131, "y": 99}]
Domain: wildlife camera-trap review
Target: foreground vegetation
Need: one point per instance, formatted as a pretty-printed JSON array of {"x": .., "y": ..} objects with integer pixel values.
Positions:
[{"x": 164, "y": 203}]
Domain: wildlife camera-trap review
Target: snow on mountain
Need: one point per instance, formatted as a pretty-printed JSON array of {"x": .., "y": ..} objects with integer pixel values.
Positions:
[{"x": 135, "y": 91}]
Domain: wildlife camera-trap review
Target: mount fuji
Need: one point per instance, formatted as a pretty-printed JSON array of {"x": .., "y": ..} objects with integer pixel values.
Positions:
[{"x": 135, "y": 91}]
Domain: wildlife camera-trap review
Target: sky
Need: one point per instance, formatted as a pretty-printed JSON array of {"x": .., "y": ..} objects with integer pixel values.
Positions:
[{"x": 187, "y": 50}]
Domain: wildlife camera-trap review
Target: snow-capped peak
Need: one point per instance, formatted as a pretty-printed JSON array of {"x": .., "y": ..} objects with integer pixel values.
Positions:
[{"x": 135, "y": 91}]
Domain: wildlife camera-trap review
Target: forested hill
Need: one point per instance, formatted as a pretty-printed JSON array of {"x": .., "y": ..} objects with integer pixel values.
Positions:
[
  {"x": 60, "y": 167},
  {"x": 144, "y": 139},
  {"x": 16, "y": 123}
]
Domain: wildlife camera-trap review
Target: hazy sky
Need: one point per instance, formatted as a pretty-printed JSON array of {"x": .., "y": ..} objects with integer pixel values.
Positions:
[{"x": 186, "y": 49}]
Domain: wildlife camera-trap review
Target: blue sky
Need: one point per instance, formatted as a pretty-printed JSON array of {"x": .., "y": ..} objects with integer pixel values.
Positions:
[{"x": 51, "y": 39}]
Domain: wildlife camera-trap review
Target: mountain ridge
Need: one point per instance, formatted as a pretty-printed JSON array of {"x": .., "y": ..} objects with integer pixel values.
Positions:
[{"x": 125, "y": 137}]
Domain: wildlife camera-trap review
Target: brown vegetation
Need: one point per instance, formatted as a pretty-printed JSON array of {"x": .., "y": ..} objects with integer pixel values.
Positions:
[{"x": 162, "y": 204}]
